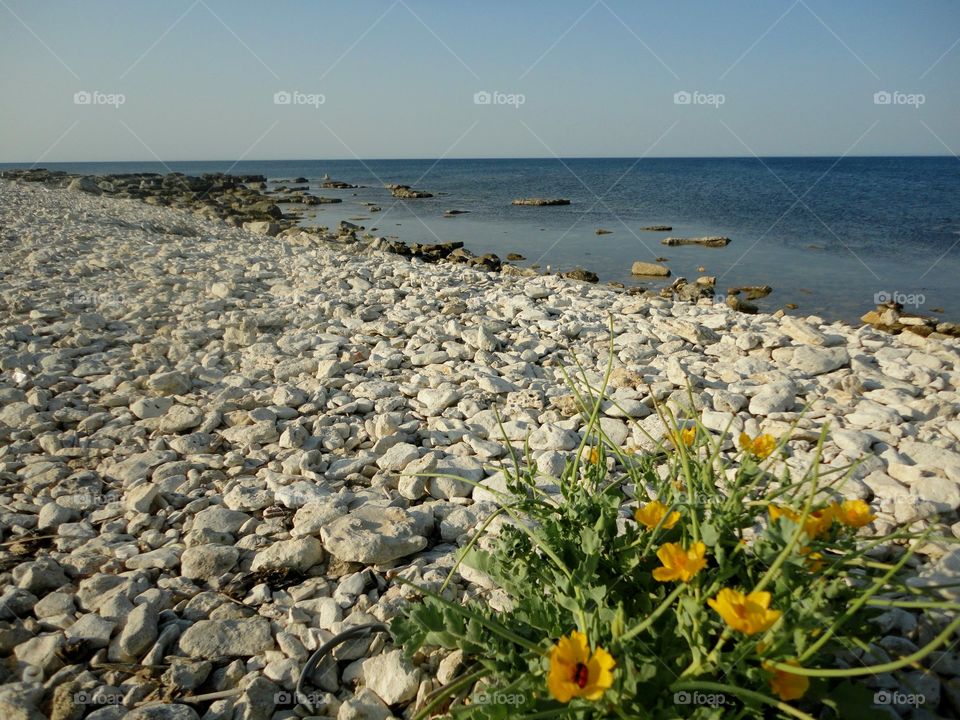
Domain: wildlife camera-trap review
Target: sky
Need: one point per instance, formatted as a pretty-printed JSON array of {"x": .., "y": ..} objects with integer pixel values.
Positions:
[{"x": 118, "y": 80}]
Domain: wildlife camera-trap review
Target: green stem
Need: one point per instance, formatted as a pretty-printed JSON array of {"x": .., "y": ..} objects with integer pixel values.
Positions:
[
  {"x": 857, "y": 604},
  {"x": 446, "y": 692},
  {"x": 743, "y": 693},
  {"x": 876, "y": 669},
  {"x": 795, "y": 538},
  {"x": 492, "y": 626},
  {"x": 466, "y": 548},
  {"x": 934, "y": 604},
  {"x": 652, "y": 617}
]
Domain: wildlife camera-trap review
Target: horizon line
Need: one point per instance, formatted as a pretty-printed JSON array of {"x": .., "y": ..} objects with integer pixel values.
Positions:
[{"x": 155, "y": 161}]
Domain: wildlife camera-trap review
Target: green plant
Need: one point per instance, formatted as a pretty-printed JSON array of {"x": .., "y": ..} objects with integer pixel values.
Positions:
[{"x": 728, "y": 593}]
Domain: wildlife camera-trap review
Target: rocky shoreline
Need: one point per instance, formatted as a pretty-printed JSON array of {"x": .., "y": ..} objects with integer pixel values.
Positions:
[
  {"x": 249, "y": 201},
  {"x": 223, "y": 439}
]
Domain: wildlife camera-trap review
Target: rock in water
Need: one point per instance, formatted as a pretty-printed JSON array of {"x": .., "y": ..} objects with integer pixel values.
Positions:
[
  {"x": 650, "y": 269},
  {"x": 540, "y": 202}
]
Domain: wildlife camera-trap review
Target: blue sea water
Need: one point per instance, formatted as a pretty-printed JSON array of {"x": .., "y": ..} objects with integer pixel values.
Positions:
[{"x": 831, "y": 235}]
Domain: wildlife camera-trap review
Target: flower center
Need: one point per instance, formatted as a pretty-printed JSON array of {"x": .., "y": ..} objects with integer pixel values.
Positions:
[{"x": 581, "y": 675}]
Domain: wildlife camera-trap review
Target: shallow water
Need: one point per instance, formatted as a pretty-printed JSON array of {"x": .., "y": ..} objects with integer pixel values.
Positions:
[{"x": 831, "y": 235}]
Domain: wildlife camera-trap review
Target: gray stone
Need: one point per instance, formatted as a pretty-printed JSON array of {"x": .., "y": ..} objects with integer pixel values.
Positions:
[
  {"x": 205, "y": 562},
  {"x": 299, "y": 554},
  {"x": 392, "y": 677},
  {"x": 210, "y": 639},
  {"x": 373, "y": 535},
  {"x": 170, "y": 383},
  {"x": 150, "y": 407},
  {"x": 819, "y": 360}
]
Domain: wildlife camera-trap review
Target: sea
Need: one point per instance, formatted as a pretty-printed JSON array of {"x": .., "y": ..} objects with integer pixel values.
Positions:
[{"x": 833, "y": 236}]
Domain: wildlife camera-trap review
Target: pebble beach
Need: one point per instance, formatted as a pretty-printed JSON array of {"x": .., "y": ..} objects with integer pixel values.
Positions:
[{"x": 221, "y": 444}]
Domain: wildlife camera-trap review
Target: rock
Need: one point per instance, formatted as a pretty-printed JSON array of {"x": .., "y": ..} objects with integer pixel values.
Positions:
[
  {"x": 406, "y": 192},
  {"x": 138, "y": 466},
  {"x": 210, "y": 639},
  {"x": 435, "y": 401},
  {"x": 219, "y": 519},
  {"x": 262, "y": 227},
  {"x": 179, "y": 418},
  {"x": 41, "y": 651},
  {"x": 650, "y": 269},
  {"x": 396, "y": 458},
  {"x": 300, "y": 554},
  {"x": 802, "y": 332},
  {"x": 138, "y": 634},
  {"x": 581, "y": 275},
  {"x": 712, "y": 241},
  {"x": 53, "y": 515},
  {"x": 550, "y": 437},
  {"x": 373, "y": 535},
  {"x": 166, "y": 711},
  {"x": 773, "y": 398},
  {"x": 365, "y": 705},
  {"x": 818, "y": 360},
  {"x": 145, "y": 408},
  {"x": 92, "y": 629},
  {"x": 141, "y": 498},
  {"x": 205, "y": 562},
  {"x": 85, "y": 184},
  {"x": 944, "y": 494},
  {"x": 540, "y": 202},
  {"x": 170, "y": 383},
  {"x": 392, "y": 677}
]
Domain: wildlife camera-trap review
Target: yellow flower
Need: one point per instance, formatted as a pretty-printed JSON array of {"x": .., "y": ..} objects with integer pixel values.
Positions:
[
  {"x": 786, "y": 684},
  {"x": 680, "y": 564},
  {"x": 853, "y": 513},
  {"x": 747, "y": 613},
  {"x": 651, "y": 514},
  {"x": 817, "y": 522},
  {"x": 814, "y": 559},
  {"x": 760, "y": 447},
  {"x": 688, "y": 435},
  {"x": 575, "y": 672},
  {"x": 595, "y": 456}
]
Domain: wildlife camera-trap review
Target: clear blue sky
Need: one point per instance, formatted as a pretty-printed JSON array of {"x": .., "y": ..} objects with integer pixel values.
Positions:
[{"x": 398, "y": 78}]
